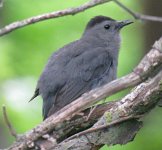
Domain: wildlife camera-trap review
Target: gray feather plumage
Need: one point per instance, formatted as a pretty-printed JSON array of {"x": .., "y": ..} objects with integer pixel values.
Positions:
[{"x": 79, "y": 67}]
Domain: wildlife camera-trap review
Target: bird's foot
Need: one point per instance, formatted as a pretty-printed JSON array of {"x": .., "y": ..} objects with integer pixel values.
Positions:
[{"x": 91, "y": 111}]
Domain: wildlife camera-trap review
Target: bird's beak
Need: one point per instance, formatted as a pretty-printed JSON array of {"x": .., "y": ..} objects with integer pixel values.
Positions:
[{"x": 123, "y": 23}]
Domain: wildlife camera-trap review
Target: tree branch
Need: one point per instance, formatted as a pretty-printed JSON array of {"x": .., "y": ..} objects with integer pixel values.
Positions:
[
  {"x": 72, "y": 126},
  {"x": 70, "y": 11},
  {"x": 119, "y": 121},
  {"x": 149, "y": 64},
  {"x": 137, "y": 15},
  {"x": 94, "y": 129}
]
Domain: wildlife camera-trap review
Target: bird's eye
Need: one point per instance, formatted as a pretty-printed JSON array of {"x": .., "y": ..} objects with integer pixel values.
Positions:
[{"x": 107, "y": 26}]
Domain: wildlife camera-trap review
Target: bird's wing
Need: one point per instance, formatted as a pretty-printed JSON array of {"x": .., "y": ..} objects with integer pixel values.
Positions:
[{"x": 83, "y": 73}]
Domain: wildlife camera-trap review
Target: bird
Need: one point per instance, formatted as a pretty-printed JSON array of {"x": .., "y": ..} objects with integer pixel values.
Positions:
[{"x": 81, "y": 65}]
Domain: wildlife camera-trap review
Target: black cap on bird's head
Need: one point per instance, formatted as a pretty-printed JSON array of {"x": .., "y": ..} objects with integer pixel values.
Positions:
[
  {"x": 96, "y": 20},
  {"x": 110, "y": 22}
]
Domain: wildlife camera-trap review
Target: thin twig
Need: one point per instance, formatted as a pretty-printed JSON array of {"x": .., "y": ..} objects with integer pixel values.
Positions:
[
  {"x": 115, "y": 122},
  {"x": 70, "y": 11},
  {"x": 11, "y": 129},
  {"x": 137, "y": 15}
]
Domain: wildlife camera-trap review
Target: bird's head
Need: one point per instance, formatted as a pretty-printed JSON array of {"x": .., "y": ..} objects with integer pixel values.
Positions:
[{"x": 105, "y": 27}]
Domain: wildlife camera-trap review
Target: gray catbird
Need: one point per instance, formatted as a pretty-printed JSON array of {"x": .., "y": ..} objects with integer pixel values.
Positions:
[{"x": 82, "y": 65}]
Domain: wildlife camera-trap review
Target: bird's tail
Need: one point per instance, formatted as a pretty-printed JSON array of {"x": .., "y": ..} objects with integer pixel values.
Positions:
[{"x": 36, "y": 93}]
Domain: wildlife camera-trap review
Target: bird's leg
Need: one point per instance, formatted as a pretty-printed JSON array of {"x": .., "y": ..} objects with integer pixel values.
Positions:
[{"x": 93, "y": 108}]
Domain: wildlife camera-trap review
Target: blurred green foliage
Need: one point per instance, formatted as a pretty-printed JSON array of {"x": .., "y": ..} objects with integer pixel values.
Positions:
[{"x": 24, "y": 52}]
